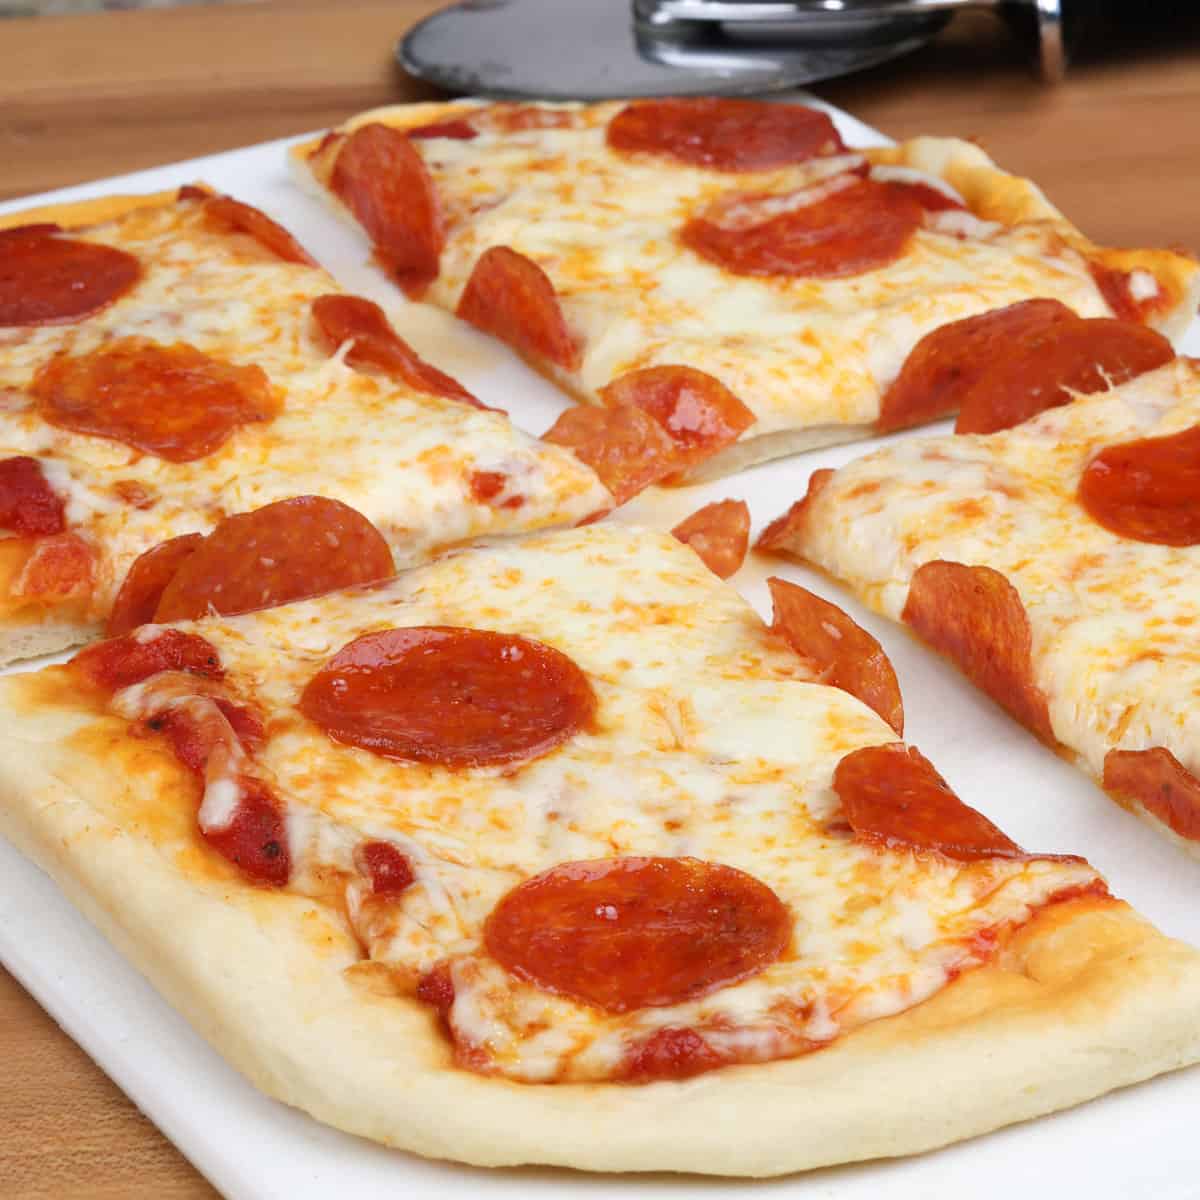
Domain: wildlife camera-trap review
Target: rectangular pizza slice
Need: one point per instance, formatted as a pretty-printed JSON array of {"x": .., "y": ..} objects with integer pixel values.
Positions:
[
  {"x": 172, "y": 361},
  {"x": 1057, "y": 563},
  {"x": 551, "y": 851},
  {"x": 730, "y": 267}
]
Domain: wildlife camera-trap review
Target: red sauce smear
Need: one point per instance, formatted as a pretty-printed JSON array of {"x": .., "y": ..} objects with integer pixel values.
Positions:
[{"x": 28, "y": 504}]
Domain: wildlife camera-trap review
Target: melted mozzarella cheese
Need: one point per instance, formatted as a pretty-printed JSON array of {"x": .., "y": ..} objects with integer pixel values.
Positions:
[
  {"x": 1113, "y": 619},
  {"x": 712, "y": 740},
  {"x": 799, "y": 352},
  {"x": 400, "y": 456}
]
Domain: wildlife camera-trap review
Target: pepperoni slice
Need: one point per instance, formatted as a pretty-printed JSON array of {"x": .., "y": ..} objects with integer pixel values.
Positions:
[
  {"x": 975, "y": 617},
  {"x": 848, "y": 231},
  {"x": 626, "y": 447},
  {"x": 670, "y": 1053},
  {"x": 847, "y": 656},
  {"x": 122, "y": 662},
  {"x": 25, "y": 233},
  {"x": 169, "y": 401},
  {"x": 143, "y": 587},
  {"x": 228, "y": 213},
  {"x": 255, "y": 841},
  {"x": 517, "y": 118},
  {"x": 286, "y": 551},
  {"x": 1147, "y": 490},
  {"x": 943, "y": 367},
  {"x": 49, "y": 280},
  {"x": 383, "y": 181},
  {"x": 699, "y": 412},
  {"x": 457, "y": 130},
  {"x": 28, "y": 504},
  {"x": 390, "y": 871},
  {"x": 725, "y": 135},
  {"x": 1158, "y": 781},
  {"x": 786, "y": 533},
  {"x": 629, "y": 933},
  {"x": 374, "y": 343},
  {"x": 488, "y": 486},
  {"x": 720, "y": 534},
  {"x": 195, "y": 734},
  {"x": 512, "y": 298},
  {"x": 455, "y": 697},
  {"x": 894, "y": 798},
  {"x": 1116, "y": 287},
  {"x": 60, "y": 567}
]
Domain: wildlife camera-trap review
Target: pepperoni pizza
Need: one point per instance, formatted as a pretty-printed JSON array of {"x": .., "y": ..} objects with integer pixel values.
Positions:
[
  {"x": 172, "y": 361},
  {"x": 1055, "y": 563},
  {"x": 550, "y": 851},
  {"x": 730, "y": 268}
]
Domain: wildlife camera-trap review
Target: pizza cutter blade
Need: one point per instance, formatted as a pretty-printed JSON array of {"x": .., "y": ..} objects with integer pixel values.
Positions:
[{"x": 603, "y": 49}]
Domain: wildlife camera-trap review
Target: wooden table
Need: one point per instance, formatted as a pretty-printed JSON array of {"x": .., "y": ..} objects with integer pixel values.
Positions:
[{"x": 1117, "y": 147}]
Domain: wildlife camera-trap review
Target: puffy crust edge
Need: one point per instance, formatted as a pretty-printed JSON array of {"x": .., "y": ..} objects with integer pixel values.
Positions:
[
  {"x": 1085, "y": 998},
  {"x": 74, "y": 214}
]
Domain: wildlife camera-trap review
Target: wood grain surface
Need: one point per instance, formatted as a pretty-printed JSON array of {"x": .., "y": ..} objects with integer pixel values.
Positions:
[{"x": 1117, "y": 147}]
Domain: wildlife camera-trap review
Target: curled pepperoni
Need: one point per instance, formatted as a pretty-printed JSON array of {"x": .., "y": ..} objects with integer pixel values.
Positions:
[
  {"x": 628, "y": 933},
  {"x": 626, "y": 447},
  {"x": 975, "y": 617},
  {"x": 49, "y": 280},
  {"x": 946, "y": 364},
  {"x": 285, "y": 551},
  {"x": 195, "y": 733},
  {"x": 169, "y": 401},
  {"x": 699, "y": 412},
  {"x": 150, "y": 573},
  {"x": 455, "y": 697},
  {"x": 457, "y": 130},
  {"x": 28, "y": 504},
  {"x": 59, "y": 567},
  {"x": 720, "y": 534},
  {"x": 228, "y": 213},
  {"x": 786, "y": 533},
  {"x": 389, "y": 871},
  {"x": 1148, "y": 489},
  {"x": 670, "y": 1053},
  {"x": 121, "y": 662},
  {"x": 725, "y": 135},
  {"x": 512, "y": 298},
  {"x": 383, "y": 181},
  {"x": 893, "y": 798},
  {"x": 374, "y": 343},
  {"x": 850, "y": 230},
  {"x": 255, "y": 841},
  {"x": 847, "y": 656},
  {"x": 1158, "y": 781}
]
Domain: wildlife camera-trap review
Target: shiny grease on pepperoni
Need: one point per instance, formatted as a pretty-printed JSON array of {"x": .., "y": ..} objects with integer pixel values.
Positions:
[
  {"x": 843, "y": 231},
  {"x": 28, "y": 504},
  {"x": 719, "y": 533},
  {"x": 139, "y": 594},
  {"x": 513, "y": 299},
  {"x": 290, "y": 550},
  {"x": 121, "y": 662},
  {"x": 374, "y": 343},
  {"x": 1158, "y": 781},
  {"x": 450, "y": 696},
  {"x": 629, "y": 933},
  {"x": 975, "y": 617},
  {"x": 846, "y": 655},
  {"x": 1148, "y": 489},
  {"x": 893, "y": 798},
  {"x": 171, "y": 401},
  {"x": 50, "y": 280},
  {"x": 383, "y": 181},
  {"x": 724, "y": 134}
]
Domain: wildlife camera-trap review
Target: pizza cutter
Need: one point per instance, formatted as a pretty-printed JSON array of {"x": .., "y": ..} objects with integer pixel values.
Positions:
[{"x": 604, "y": 49}]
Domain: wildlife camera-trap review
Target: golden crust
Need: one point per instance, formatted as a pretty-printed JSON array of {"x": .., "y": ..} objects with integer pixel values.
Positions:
[
  {"x": 1085, "y": 998},
  {"x": 74, "y": 214}
]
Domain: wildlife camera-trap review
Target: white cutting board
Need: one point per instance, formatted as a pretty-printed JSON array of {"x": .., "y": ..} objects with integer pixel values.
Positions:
[{"x": 1141, "y": 1141}]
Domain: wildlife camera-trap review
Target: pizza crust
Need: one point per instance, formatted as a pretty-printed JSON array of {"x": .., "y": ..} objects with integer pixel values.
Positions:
[
  {"x": 1087, "y": 997},
  {"x": 73, "y": 214}
]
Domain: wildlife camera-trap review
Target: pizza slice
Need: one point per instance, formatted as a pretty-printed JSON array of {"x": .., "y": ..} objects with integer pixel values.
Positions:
[
  {"x": 551, "y": 851},
  {"x": 730, "y": 268},
  {"x": 1055, "y": 563},
  {"x": 172, "y": 361}
]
